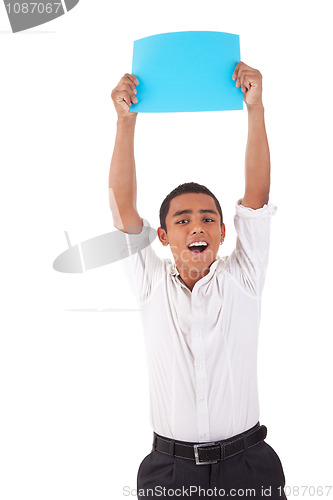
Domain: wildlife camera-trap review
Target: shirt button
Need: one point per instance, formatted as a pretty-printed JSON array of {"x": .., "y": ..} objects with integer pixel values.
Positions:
[
  {"x": 199, "y": 365},
  {"x": 203, "y": 435},
  {"x": 201, "y": 398}
]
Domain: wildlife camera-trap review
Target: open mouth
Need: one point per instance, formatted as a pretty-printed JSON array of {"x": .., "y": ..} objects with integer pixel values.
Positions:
[{"x": 198, "y": 248}]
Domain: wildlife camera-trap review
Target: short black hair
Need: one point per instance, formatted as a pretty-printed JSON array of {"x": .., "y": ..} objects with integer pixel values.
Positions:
[{"x": 187, "y": 187}]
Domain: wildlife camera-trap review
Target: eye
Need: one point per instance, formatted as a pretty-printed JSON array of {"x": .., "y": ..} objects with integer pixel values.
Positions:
[{"x": 186, "y": 220}]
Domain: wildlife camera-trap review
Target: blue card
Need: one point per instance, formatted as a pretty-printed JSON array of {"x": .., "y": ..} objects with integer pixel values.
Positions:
[{"x": 186, "y": 71}]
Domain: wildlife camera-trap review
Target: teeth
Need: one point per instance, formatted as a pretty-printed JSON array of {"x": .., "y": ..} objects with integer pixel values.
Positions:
[{"x": 198, "y": 244}]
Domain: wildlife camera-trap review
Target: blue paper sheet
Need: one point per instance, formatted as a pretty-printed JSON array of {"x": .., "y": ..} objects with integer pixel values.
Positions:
[{"x": 186, "y": 71}]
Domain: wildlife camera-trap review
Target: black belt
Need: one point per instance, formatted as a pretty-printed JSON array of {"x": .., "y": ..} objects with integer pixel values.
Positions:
[{"x": 212, "y": 452}]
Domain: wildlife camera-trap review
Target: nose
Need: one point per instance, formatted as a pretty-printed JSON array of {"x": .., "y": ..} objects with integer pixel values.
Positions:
[{"x": 197, "y": 228}]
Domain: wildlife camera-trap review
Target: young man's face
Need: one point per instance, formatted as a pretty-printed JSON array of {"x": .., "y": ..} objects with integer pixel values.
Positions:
[{"x": 199, "y": 221}]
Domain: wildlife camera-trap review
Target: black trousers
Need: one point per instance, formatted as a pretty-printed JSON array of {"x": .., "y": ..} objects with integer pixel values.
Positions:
[{"x": 255, "y": 472}]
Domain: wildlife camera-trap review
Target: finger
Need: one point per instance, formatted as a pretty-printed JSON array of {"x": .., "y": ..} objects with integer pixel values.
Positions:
[
  {"x": 132, "y": 78},
  {"x": 240, "y": 78},
  {"x": 246, "y": 78},
  {"x": 131, "y": 96},
  {"x": 242, "y": 69},
  {"x": 252, "y": 79},
  {"x": 245, "y": 81},
  {"x": 242, "y": 75},
  {"x": 126, "y": 80},
  {"x": 123, "y": 95},
  {"x": 236, "y": 70},
  {"x": 239, "y": 69},
  {"x": 126, "y": 83},
  {"x": 129, "y": 87}
]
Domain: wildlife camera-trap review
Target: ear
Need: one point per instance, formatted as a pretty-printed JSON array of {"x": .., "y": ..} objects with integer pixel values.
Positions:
[
  {"x": 223, "y": 232},
  {"x": 163, "y": 237}
]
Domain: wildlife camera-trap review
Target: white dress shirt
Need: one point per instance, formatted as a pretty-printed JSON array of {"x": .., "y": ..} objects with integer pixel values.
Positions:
[{"x": 201, "y": 346}]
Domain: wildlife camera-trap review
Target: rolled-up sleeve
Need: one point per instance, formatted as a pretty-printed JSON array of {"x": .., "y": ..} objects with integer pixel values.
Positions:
[
  {"x": 143, "y": 268},
  {"x": 248, "y": 262}
]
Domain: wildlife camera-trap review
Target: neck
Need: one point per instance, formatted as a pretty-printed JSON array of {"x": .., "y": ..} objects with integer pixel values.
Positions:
[{"x": 191, "y": 276}]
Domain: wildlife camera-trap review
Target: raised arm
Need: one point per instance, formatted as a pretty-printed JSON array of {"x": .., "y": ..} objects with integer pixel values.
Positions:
[
  {"x": 122, "y": 177},
  {"x": 257, "y": 158}
]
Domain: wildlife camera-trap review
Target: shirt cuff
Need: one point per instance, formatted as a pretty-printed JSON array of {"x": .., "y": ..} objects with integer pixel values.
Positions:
[
  {"x": 131, "y": 243},
  {"x": 144, "y": 230},
  {"x": 250, "y": 213}
]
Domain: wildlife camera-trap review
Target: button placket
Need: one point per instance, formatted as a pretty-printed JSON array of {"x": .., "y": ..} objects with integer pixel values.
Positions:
[{"x": 200, "y": 368}]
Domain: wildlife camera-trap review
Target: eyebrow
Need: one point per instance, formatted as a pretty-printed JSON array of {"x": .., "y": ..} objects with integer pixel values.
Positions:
[{"x": 203, "y": 211}]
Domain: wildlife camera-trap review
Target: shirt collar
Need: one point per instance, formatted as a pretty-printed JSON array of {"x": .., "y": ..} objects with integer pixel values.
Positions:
[{"x": 174, "y": 271}]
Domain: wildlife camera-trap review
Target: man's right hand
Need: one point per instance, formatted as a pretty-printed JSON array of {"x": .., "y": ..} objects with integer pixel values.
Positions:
[{"x": 124, "y": 94}]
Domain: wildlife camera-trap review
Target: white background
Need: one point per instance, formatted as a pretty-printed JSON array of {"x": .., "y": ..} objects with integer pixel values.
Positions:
[{"x": 74, "y": 417}]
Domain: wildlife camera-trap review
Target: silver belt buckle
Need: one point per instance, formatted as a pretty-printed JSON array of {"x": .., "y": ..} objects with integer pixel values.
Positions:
[{"x": 196, "y": 453}]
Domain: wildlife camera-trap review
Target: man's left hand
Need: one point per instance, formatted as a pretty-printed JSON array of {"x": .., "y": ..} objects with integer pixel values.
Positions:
[{"x": 250, "y": 80}]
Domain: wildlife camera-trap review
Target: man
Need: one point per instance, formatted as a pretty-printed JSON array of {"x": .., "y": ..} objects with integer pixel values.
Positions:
[{"x": 201, "y": 319}]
